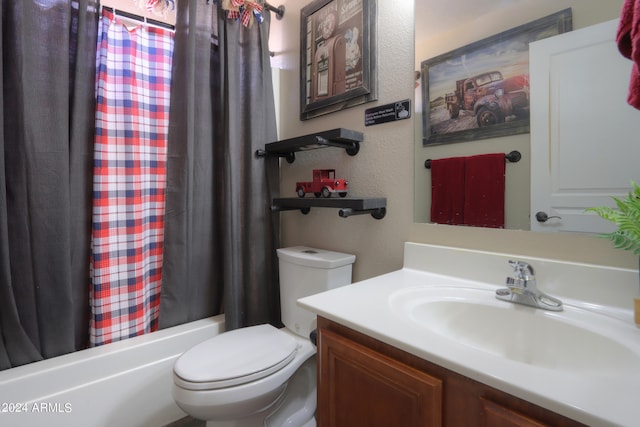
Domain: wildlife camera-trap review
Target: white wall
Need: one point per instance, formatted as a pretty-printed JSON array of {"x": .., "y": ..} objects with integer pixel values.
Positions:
[{"x": 384, "y": 166}]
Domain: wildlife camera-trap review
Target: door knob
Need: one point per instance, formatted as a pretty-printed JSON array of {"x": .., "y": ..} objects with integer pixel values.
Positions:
[{"x": 543, "y": 217}]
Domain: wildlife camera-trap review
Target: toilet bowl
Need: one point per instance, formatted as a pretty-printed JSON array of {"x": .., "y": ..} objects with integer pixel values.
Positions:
[
  {"x": 264, "y": 359},
  {"x": 261, "y": 375}
]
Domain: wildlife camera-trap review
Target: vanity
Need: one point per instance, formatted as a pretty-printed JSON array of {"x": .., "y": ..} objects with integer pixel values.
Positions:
[{"x": 431, "y": 345}]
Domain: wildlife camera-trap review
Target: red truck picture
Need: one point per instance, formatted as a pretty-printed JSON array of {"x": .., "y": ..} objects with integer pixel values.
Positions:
[
  {"x": 490, "y": 97},
  {"x": 324, "y": 184}
]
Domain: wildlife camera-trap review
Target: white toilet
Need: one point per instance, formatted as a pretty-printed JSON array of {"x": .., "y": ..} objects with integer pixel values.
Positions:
[{"x": 261, "y": 375}]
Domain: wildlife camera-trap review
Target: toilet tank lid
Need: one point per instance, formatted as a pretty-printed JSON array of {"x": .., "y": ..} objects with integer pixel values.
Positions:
[{"x": 312, "y": 257}]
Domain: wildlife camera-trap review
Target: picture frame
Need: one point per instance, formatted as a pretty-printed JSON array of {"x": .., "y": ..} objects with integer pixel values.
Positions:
[
  {"x": 481, "y": 90},
  {"x": 338, "y": 55}
]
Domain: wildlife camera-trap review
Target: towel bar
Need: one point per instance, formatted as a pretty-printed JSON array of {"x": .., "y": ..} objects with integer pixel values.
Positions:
[{"x": 512, "y": 157}]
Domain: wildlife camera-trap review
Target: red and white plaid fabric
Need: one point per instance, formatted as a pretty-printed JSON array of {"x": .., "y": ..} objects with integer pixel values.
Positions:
[{"x": 132, "y": 119}]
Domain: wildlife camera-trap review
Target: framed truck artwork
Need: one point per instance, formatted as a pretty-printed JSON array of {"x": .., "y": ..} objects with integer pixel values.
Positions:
[
  {"x": 337, "y": 55},
  {"x": 482, "y": 90}
]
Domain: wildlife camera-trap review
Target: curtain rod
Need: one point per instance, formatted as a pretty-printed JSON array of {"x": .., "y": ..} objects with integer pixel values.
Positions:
[
  {"x": 279, "y": 11},
  {"x": 142, "y": 19}
]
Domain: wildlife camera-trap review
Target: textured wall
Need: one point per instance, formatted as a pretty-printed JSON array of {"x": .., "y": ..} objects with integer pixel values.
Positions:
[{"x": 384, "y": 166}]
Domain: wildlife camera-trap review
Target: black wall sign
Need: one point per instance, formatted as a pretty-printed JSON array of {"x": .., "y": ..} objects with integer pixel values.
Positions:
[{"x": 399, "y": 110}]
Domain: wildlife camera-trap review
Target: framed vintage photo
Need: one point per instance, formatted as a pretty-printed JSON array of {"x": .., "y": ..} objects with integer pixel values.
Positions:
[
  {"x": 337, "y": 55},
  {"x": 482, "y": 90}
]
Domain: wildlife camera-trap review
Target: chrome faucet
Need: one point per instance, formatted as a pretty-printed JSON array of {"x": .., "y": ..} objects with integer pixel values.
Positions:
[{"x": 522, "y": 289}]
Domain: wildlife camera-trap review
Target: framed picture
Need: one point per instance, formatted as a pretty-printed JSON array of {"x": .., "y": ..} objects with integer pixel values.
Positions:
[
  {"x": 337, "y": 55},
  {"x": 482, "y": 90}
]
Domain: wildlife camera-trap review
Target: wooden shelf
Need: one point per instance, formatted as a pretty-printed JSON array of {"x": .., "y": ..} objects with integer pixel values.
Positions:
[
  {"x": 347, "y": 139},
  {"x": 342, "y": 138},
  {"x": 348, "y": 206}
]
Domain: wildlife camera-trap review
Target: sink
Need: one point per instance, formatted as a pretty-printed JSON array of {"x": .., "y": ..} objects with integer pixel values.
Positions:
[
  {"x": 575, "y": 340},
  {"x": 441, "y": 307}
]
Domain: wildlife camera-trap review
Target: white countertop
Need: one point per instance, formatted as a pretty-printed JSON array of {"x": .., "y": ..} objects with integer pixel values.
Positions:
[{"x": 593, "y": 398}]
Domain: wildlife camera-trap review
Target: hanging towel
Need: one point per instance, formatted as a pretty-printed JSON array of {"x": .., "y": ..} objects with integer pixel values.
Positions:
[
  {"x": 628, "y": 40},
  {"x": 484, "y": 190},
  {"x": 447, "y": 190}
]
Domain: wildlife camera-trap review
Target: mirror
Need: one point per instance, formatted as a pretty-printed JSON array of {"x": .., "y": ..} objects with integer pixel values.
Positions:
[{"x": 438, "y": 31}]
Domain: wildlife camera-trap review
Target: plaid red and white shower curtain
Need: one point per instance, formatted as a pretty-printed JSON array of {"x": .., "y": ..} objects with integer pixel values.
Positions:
[{"x": 132, "y": 119}]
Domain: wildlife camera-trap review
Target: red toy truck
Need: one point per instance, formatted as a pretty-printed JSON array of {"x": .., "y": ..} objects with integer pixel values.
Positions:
[{"x": 324, "y": 183}]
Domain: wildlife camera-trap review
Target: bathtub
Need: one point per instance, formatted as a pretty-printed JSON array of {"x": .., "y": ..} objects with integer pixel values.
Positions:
[{"x": 127, "y": 383}]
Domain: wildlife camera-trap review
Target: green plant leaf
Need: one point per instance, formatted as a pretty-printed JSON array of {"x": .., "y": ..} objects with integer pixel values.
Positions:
[{"x": 627, "y": 217}]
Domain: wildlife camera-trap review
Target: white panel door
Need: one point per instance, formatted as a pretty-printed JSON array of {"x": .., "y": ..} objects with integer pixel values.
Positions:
[{"x": 585, "y": 138}]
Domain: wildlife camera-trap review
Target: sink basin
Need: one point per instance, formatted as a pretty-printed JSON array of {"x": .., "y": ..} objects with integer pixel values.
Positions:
[{"x": 575, "y": 339}]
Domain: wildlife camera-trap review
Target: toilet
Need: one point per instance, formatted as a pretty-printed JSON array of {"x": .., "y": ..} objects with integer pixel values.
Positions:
[{"x": 261, "y": 375}]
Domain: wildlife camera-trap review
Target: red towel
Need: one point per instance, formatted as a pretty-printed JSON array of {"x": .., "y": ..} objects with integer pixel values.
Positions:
[
  {"x": 628, "y": 40},
  {"x": 484, "y": 190},
  {"x": 447, "y": 190}
]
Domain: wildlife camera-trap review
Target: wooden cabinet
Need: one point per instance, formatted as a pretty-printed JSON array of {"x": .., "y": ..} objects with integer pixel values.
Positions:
[
  {"x": 360, "y": 387},
  {"x": 494, "y": 415},
  {"x": 364, "y": 382}
]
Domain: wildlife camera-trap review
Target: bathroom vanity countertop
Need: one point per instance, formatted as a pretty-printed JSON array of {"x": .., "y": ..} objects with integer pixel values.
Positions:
[{"x": 586, "y": 395}]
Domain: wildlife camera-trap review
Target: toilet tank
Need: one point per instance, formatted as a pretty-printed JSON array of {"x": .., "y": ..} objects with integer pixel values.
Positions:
[{"x": 306, "y": 271}]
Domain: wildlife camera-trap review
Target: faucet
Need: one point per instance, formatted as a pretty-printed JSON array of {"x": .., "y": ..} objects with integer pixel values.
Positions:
[{"x": 522, "y": 289}]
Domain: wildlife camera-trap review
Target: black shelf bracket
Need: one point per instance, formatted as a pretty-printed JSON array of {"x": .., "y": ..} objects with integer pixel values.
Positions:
[
  {"x": 376, "y": 207},
  {"x": 377, "y": 213},
  {"x": 349, "y": 140}
]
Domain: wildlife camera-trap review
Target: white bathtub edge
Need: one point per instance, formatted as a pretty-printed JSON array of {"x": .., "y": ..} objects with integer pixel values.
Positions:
[{"x": 127, "y": 383}]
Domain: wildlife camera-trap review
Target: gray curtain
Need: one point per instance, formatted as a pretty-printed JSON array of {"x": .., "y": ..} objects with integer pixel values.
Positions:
[
  {"x": 220, "y": 237},
  {"x": 191, "y": 265},
  {"x": 46, "y": 140},
  {"x": 250, "y": 231}
]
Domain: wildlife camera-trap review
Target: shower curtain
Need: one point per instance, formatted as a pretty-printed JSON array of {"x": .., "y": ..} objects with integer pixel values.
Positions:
[
  {"x": 129, "y": 178},
  {"x": 219, "y": 238},
  {"x": 46, "y": 151},
  {"x": 220, "y": 235}
]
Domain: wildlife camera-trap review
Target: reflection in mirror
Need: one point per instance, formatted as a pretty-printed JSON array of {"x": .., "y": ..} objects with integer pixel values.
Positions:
[{"x": 437, "y": 32}]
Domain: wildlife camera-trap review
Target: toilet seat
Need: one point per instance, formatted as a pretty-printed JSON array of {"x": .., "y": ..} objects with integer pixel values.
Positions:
[{"x": 234, "y": 358}]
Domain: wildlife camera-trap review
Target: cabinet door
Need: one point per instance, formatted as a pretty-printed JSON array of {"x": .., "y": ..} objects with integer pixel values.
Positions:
[
  {"x": 495, "y": 415},
  {"x": 360, "y": 387}
]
